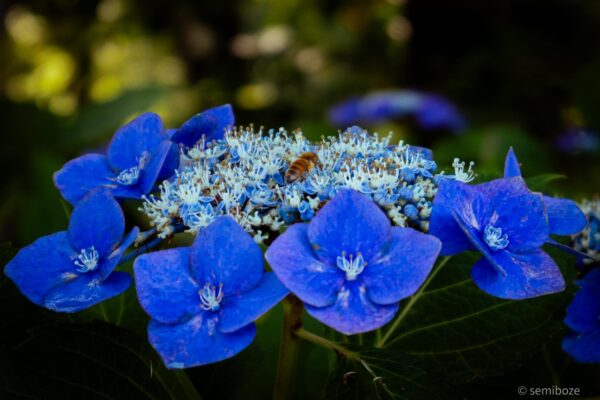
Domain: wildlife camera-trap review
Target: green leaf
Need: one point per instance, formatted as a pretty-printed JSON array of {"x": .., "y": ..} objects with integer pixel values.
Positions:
[
  {"x": 123, "y": 310},
  {"x": 539, "y": 183},
  {"x": 381, "y": 374},
  {"x": 454, "y": 327},
  {"x": 42, "y": 356},
  {"x": 98, "y": 121},
  {"x": 91, "y": 361}
]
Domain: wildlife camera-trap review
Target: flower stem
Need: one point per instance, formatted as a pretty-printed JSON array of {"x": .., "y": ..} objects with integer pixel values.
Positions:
[
  {"x": 153, "y": 243},
  {"x": 288, "y": 348},
  {"x": 321, "y": 341},
  {"x": 411, "y": 302},
  {"x": 140, "y": 250}
]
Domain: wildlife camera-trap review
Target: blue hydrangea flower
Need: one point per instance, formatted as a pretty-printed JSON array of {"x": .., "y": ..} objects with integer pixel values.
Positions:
[
  {"x": 431, "y": 112},
  {"x": 72, "y": 270},
  {"x": 564, "y": 215},
  {"x": 138, "y": 155},
  {"x": 578, "y": 140},
  {"x": 349, "y": 265},
  {"x": 583, "y": 318},
  {"x": 211, "y": 124},
  {"x": 508, "y": 224},
  {"x": 203, "y": 299}
]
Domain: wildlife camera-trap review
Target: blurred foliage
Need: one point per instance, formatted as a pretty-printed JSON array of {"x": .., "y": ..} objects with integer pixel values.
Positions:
[{"x": 522, "y": 71}]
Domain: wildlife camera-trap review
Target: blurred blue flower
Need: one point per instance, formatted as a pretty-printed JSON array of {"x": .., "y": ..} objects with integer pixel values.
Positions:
[
  {"x": 72, "y": 270},
  {"x": 564, "y": 215},
  {"x": 431, "y": 111},
  {"x": 583, "y": 318},
  {"x": 578, "y": 140},
  {"x": 211, "y": 124},
  {"x": 139, "y": 154},
  {"x": 508, "y": 224},
  {"x": 349, "y": 265},
  {"x": 203, "y": 299}
]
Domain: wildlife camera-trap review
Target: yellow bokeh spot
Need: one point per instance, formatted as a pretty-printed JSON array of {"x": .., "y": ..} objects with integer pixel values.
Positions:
[
  {"x": 63, "y": 105},
  {"x": 24, "y": 27},
  {"x": 53, "y": 70},
  {"x": 257, "y": 95},
  {"x": 109, "y": 10},
  {"x": 106, "y": 88}
]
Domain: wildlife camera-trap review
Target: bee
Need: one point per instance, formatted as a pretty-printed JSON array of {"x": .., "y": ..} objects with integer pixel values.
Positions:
[{"x": 301, "y": 166}]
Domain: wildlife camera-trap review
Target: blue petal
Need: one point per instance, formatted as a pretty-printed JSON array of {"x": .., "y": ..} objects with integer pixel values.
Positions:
[
  {"x": 583, "y": 312},
  {"x": 564, "y": 216},
  {"x": 527, "y": 275},
  {"x": 135, "y": 140},
  {"x": 197, "y": 342},
  {"x": 579, "y": 254},
  {"x": 293, "y": 261},
  {"x": 98, "y": 221},
  {"x": 351, "y": 223},
  {"x": 39, "y": 267},
  {"x": 224, "y": 253},
  {"x": 108, "y": 265},
  {"x": 79, "y": 176},
  {"x": 211, "y": 124},
  {"x": 239, "y": 311},
  {"x": 171, "y": 163},
  {"x": 353, "y": 312},
  {"x": 451, "y": 195},
  {"x": 149, "y": 173},
  {"x": 583, "y": 347},
  {"x": 507, "y": 203},
  {"x": 126, "y": 191},
  {"x": 425, "y": 152},
  {"x": 165, "y": 287},
  {"x": 86, "y": 291},
  {"x": 400, "y": 272},
  {"x": 511, "y": 165}
]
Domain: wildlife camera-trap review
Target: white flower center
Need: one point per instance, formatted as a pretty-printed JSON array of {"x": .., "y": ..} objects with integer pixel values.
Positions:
[
  {"x": 87, "y": 260},
  {"x": 351, "y": 265}
]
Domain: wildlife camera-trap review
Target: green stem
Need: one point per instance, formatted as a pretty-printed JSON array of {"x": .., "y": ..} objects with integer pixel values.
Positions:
[
  {"x": 321, "y": 341},
  {"x": 288, "y": 348},
  {"x": 411, "y": 302},
  {"x": 550, "y": 365}
]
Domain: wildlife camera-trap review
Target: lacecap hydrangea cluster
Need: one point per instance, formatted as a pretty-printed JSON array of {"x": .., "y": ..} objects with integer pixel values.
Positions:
[
  {"x": 366, "y": 221},
  {"x": 243, "y": 175}
]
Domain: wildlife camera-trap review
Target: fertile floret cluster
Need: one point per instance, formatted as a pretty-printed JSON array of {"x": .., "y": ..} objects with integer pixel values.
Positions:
[
  {"x": 588, "y": 240},
  {"x": 243, "y": 175}
]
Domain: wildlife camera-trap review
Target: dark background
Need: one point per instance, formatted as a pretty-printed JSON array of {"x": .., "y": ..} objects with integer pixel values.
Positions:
[{"x": 522, "y": 72}]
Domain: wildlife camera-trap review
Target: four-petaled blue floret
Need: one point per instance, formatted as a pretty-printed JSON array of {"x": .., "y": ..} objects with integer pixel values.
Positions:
[
  {"x": 349, "y": 265},
  {"x": 204, "y": 299},
  {"x": 72, "y": 270},
  {"x": 139, "y": 153},
  {"x": 507, "y": 224}
]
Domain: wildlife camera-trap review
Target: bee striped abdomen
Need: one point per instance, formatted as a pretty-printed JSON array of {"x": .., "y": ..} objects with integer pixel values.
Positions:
[{"x": 301, "y": 166}]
